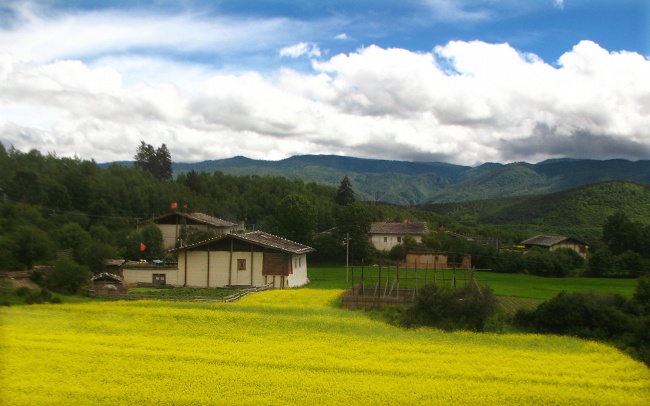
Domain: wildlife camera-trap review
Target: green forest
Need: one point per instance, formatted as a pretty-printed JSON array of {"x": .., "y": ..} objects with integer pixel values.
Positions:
[{"x": 90, "y": 213}]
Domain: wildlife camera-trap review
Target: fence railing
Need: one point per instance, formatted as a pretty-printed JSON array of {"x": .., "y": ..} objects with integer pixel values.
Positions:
[{"x": 126, "y": 295}]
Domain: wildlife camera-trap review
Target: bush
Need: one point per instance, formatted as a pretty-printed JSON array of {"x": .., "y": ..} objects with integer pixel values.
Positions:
[
  {"x": 68, "y": 277},
  {"x": 23, "y": 291},
  {"x": 609, "y": 318},
  {"x": 466, "y": 308},
  {"x": 586, "y": 315}
]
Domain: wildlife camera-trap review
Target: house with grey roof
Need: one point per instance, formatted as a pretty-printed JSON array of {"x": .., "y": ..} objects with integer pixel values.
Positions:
[
  {"x": 171, "y": 225},
  {"x": 384, "y": 236},
  {"x": 252, "y": 259},
  {"x": 554, "y": 242}
]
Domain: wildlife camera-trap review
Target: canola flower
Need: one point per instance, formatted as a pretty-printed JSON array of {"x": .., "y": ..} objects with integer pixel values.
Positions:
[{"x": 290, "y": 347}]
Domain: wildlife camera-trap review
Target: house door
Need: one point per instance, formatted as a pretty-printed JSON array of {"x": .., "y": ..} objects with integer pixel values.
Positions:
[
  {"x": 159, "y": 280},
  {"x": 243, "y": 277}
]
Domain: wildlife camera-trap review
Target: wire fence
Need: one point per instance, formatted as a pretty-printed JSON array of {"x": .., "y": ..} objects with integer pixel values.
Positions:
[{"x": 378, "y": 286}]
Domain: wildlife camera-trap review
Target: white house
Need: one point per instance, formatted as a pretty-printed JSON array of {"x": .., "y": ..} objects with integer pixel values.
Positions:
[
  {"x": 385, "y": 236},
  {"x": 251, "y": 259}
]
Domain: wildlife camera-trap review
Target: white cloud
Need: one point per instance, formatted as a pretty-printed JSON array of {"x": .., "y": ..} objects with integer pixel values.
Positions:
[
  {"x": 300, "y": 49},
  {"x": 458, "y": 10},
  {"x": 464, "y": 102},
  {"x": 559, "y": 4},
  {"x": 45, "y": 35}
]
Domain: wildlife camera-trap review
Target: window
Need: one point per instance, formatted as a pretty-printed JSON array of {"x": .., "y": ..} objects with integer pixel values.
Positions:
[
  {"x": 241, "y": 264},
  {"x": 399, "y": 240},
  {"x": 385, "y": 239}
]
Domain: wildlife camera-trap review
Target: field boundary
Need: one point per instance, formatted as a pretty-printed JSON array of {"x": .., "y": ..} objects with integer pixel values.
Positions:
[{"x": 119, "y": 295}]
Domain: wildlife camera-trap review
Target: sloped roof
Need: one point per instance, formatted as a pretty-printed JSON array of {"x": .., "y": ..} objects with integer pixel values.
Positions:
[
  {"x": 106, "y": 276},
  {"x": 196, "y": 217},
  {"x": 115, "y": 262},
  {"x": 548, "y": 240},
  {"x": 399, "y": 228},
  {"x": 258, "y": 238}
]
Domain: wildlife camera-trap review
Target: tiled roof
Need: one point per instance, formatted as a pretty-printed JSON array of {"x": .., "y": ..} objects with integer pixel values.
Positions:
[
  {"x": 272, "y": 241},
  {"x": 399, "y": 228},
  {"x": 547, "y": 240},
  {"x": 204, "y": 218},
  {"x": 197, "y": 217},
  {"x": 259, "y": 238}
]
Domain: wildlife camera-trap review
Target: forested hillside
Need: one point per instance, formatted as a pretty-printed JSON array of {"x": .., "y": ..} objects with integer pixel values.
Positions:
[
  {"x": 52, "y": 204},
  {"x": 578, "y": 212},
  {"x": 410, "y": 183}
]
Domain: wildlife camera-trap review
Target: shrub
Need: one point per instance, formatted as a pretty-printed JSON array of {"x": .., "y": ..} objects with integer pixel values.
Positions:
[
  {"x": 610, "y": 318},
  {"x": 586, "y": 315},
  {"x": 447, "y": 308},
  {"x": 68, "y": 277},
  {"x": 23, "y": 291}
]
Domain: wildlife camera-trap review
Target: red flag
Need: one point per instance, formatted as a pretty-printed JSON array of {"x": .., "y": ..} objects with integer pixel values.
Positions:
[
  {"x": 174, "y": 205},
  {"x": 142, "y": 246}
]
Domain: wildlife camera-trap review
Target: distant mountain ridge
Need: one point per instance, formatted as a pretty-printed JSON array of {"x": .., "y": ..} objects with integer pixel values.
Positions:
[{"x": 411, "y": 183}]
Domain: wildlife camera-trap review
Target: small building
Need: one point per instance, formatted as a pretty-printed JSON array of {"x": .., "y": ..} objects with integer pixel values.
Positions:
[
  {"x": 107, "y": 283},
  {"x": 251, "y": 260},
  {"x": 435, "y": 260},
  {"x": 555, "y": 242},
  {"x": 115, "y": 266},
  {"x": 384, "y": 236},
  {"x": 171, "y": 225}
]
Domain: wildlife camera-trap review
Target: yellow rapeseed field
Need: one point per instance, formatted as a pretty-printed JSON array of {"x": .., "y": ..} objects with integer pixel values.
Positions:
[{"x": 290, "y": 347}]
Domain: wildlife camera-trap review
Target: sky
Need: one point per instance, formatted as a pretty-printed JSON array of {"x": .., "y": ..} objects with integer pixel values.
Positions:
[{"x": 457, "y": 81}]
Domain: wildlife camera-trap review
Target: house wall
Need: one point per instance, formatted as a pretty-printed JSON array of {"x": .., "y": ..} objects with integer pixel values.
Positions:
[
  {"x": 299, "y": 275},
  {"x": 223, "y": 269},
  {"x": 133, "y": 276},
  {"x": 579, "y": 248},
  {"x": 170, "y": 232},
  {"x": 385, "y": 242},
  {"x": 426, "y": 260}
]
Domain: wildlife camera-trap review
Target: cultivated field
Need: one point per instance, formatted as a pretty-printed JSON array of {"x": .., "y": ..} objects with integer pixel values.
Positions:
[{"x": 290, "y": 347}]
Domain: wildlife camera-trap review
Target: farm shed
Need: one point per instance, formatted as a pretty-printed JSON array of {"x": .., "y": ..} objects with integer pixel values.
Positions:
[
  {"x": 115, "y": 266},
  {"x": 435, "y": 260},
  {"x": 171, "y": 225},
  {"x": 107, "y": 282},
  {"x": 385, "y": 236},
  {"x": 555, "y": 242},
  {"x": 251, "y": 259}
]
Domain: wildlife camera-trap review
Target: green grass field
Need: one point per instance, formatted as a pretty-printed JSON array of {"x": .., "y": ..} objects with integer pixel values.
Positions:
[{"x": 517, "y": 285}]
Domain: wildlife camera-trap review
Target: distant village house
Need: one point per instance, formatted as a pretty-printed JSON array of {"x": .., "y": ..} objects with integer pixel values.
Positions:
[
  {"x": 171, "y": 225},
  {"x": 384, "y": 236},
  {"x": 553, "y": 243}
]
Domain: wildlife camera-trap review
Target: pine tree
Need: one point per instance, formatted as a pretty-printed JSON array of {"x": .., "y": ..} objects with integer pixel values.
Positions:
[
  {"x": 345, "y": 194},
  {"x": 158, "y": 162}
]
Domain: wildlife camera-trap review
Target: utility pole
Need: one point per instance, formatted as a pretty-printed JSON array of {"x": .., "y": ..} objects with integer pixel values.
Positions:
[{"x": 347, "y": 256}]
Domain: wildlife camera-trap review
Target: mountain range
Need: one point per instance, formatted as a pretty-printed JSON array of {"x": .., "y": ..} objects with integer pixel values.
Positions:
[{"x": 413, "y": 183}]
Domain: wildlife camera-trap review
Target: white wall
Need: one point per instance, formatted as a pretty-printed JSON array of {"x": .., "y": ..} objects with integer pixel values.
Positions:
[
  {"x": 299, "y": 275},
  {"x": 391, "y": 240},
  {"x": 133, "y": 276},
  {"x": 223, "y": 270}
]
